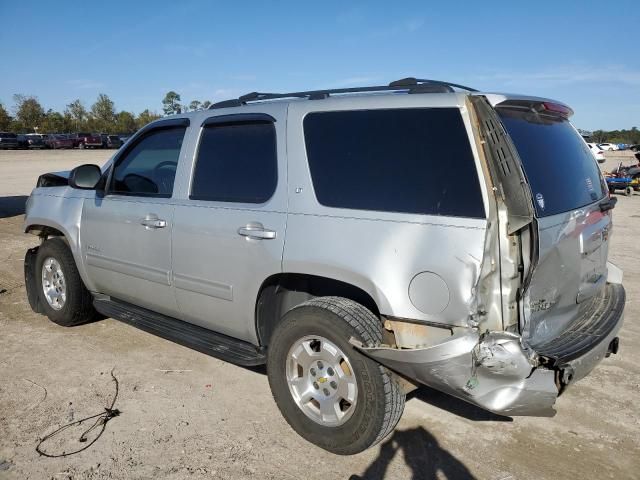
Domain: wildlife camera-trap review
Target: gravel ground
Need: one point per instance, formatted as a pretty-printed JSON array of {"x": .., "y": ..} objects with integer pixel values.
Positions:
[{"x": 186, "y": 415}]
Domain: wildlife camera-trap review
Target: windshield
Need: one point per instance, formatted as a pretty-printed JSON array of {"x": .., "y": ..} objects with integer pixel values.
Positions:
[{"x": 561, "y": 170}]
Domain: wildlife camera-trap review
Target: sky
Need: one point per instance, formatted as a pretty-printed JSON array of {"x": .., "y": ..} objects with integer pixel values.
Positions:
[{"x": 583, "y": 53}]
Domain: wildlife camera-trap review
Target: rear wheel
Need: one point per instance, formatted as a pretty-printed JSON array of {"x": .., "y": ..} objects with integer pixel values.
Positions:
[
  {"x": 64, "y": 298},
  {"x": 331, "y": 394}
]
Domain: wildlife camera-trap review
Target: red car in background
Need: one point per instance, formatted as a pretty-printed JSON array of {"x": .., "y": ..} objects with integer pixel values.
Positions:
[
  {"x": 54, "y": 140},
  {"x": 87, "y": 140}
]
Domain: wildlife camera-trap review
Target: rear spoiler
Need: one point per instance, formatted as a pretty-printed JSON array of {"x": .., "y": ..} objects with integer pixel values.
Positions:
[{"x": 542, "y": 105}]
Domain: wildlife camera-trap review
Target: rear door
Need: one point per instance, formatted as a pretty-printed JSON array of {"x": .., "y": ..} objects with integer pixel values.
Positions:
[
  {"x": 126, "y": 233},
  {"x": 567, "y": 188},
  {"x": 229, "y": 233}
]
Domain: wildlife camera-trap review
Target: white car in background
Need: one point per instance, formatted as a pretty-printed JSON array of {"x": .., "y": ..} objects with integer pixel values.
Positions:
[
  {"x": 597, "y": 152},
  {"x": 610, "y": 147}
]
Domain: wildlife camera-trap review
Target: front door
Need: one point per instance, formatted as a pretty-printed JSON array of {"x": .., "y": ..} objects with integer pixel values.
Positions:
[
  {"x": 229, "y": 234},
  {"x": 126, "y": 234}
]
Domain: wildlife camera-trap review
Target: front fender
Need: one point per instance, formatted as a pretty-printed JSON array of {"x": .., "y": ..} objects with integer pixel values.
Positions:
[{"x": 63, "y": 214}]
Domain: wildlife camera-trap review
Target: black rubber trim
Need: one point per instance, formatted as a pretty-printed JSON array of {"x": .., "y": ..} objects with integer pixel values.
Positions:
[
  {"x": 52, "y": 179},
  {"x": 184, "y": 333},
  {"x": 238, "y": 118},
  {"x": 600, "y": 317},
  {"x": 30, "y": 280}
]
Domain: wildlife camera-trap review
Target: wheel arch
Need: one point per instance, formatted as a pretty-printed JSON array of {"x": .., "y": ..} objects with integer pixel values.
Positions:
[
  {"x": 45, "y": 229},
  {"x": 281, "y": 292}
]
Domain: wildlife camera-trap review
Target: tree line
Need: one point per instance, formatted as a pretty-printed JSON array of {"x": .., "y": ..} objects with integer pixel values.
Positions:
[
  {"x": 28, "y": 115},
  {"x": 630, "y": 137}
]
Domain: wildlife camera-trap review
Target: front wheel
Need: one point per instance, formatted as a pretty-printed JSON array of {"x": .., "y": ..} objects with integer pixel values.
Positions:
[
  {"x": 64, "y": 298},
  {"x": 330, "y": 393}
]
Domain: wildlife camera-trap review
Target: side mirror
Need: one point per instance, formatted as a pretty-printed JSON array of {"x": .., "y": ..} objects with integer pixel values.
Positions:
[{"x": 85, "y": 177}]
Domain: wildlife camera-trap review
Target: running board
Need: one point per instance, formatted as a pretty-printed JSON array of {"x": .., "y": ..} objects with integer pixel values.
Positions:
[{"x": 187, "y": 334}]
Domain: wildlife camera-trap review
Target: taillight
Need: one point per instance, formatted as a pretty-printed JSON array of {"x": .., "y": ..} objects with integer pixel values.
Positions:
[{"x": 557, "y": 108}]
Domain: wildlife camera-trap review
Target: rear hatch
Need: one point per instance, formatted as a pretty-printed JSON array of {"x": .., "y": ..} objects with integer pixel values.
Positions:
[{"x": 572, "y": 222}]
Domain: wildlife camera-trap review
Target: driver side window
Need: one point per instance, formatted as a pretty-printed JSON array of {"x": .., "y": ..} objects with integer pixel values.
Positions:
[{"x": 148, "y": 168}]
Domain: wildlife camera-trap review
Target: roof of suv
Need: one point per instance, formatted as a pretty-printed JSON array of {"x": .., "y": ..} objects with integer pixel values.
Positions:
[{"x": 408, "y": 85}]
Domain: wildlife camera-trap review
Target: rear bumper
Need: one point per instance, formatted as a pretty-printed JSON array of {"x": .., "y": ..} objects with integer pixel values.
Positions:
[
  {"x": 495, "y": 371},
  {"x": 578, "y": 350}
]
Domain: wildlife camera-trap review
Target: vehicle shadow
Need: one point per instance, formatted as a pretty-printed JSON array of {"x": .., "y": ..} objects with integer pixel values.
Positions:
[
  {"x": 455, "y": 405},
  {"x": 12, "y": 206},
  {"x": 423, "y": 455}
]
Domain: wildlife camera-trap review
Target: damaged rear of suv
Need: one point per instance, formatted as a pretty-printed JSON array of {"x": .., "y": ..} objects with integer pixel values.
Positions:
[
  {"x": 547, "y": 305},
  {"x": 358, "y": 241}
]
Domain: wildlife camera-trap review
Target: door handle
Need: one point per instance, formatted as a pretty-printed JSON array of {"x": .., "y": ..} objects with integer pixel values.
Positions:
[
  {"x": 257, "y": 232},
  {"x": 153, "y": 222}
]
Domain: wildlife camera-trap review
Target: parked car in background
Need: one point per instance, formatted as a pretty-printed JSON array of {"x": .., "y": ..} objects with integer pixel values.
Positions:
[
  {"x": 113, "y": 141},
  {"x": 35, "y": 140},
  {"x": 55, "y": 141},
  {"x": 635, "y": 148},
  {"x": 86, "y": 140},
  {"x": 22, "y": 141},
  {"x": 124, "y": 138},
  {"x": 597, "y": 152},
  {"x": 8, "y": 140},
  {"x": 608, "y": 146}
]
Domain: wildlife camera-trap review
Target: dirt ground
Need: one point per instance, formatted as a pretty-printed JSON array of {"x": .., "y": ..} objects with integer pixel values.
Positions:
[{"x": 187, "y": 415}]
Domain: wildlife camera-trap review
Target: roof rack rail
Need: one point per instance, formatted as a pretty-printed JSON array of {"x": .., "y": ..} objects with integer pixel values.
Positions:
[{"x": 410, "y": 84}]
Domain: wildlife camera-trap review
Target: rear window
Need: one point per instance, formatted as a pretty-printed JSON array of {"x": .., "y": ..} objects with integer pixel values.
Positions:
[
  {"x": 561, "y": 170},
  {"x": 397, "y": 160}
]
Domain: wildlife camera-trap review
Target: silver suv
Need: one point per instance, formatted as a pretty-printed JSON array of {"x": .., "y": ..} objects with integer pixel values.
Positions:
[{"x": 358, "y": 241}]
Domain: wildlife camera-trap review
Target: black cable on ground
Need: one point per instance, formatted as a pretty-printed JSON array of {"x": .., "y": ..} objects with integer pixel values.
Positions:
[{"x": 101, "y": 422}]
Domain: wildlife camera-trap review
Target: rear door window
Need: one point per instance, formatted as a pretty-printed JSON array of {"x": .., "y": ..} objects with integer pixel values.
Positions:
[
  {"x": 395, "y": 160},
  {"x": 561, "y": 171},
  {"x": 236, "y": 162}
]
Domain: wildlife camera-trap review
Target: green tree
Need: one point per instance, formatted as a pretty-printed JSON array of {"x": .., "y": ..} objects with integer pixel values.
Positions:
[
  {"x": 53, "y": 122},
  {"x": 206, "y": 104},
  {"x": 103, "y": 114},
  {"x": 28, "y": 110},
  {"x": 78, "y": 114},
  {"x": 195, "y": 105},
  {"x": 5, "y": 118},
  {"x": 146, "y": 117},
  {"x": 171, "y": 103},
  {"x": 125, "y": 122}
]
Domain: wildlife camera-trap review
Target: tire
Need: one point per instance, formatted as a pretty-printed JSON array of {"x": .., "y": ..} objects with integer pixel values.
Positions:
[
  {"x": 81, "y": 145},
  {"x": 379, "y": 401},
  {"x": 77, "y": 307}
]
